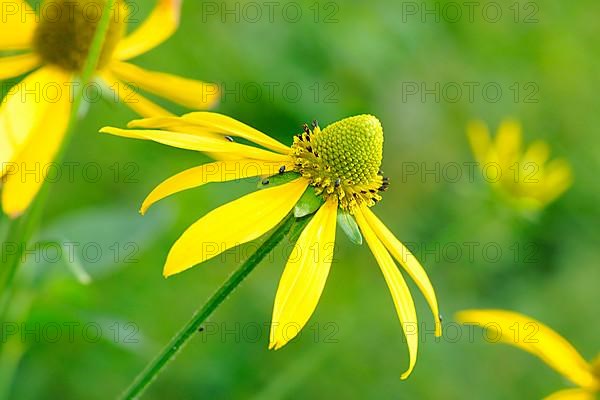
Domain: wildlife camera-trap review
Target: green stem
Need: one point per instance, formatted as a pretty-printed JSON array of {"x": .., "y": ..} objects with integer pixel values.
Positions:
[
  {"x": 181, "y": 338},
  {"x": 21, "y": 231}
]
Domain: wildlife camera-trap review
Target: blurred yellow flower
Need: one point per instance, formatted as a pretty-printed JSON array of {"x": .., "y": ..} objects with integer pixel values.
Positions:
[
  {"x": 536, "y": 338},
  {"x": 525, "y": 177},
  {"x": 333, "y": 173},
  {"x": 34, "y": 115}
]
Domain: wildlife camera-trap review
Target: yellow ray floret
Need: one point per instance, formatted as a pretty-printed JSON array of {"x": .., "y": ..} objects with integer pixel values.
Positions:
[
  {"x": 252, "y": 216},
  {"x": 220, "y": 171},
  {"x": 304, "y": 276},
  {"x": 187, "y": 92},
  {"x": 18, "y": 25},
  {"x": 403, "y": 301},
  {"x": 408, "y": 261},
  {"x": 13, "y": 66},
  {"x": 28, "y": 145},
  {"x": 536, "y": 338},
  {"x": 198, "y": 143},
  {"x": 158, "y": 27},
  {"x": 207, "y": 123}
]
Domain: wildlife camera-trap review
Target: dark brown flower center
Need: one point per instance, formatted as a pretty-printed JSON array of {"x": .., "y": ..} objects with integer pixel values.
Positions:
[{"x": 66, "y": 30}]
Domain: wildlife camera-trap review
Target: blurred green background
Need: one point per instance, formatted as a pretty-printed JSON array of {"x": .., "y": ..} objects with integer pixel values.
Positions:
[{"x": 346, "y": 58}]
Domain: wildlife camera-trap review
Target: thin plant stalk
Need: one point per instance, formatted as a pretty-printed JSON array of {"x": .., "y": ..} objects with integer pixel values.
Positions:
[{"x": 153, "y": 369}]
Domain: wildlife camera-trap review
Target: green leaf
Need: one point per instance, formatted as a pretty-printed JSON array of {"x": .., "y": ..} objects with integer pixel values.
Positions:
[
  {"x": 278, "y": 179},
  {"x": 350, "y": 227},
  {"x": 308, "y": 204}
]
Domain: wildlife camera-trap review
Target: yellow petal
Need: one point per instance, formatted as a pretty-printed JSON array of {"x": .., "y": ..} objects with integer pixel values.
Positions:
[
  {"x": 22, "y": 111},
  {"x": 225, "y": 125},
  {"x": 17, "y": 65},
  {"x": 158, "y": 27},
  {"x": 571, "y": 394},
  {"x": 508, "y": 143},
  {"x": 304, "y": 277},
  {"x": 176, "y": 124},
  {"x": 232, "y": 224},
  {"x": 187, "y": 92},
  {"x": 479, "y": 138},
  {"x": 405, "y": 307},
  {"x": 408, "y": 261},
  {"x": 18, "y": 25},
  {"x": 43, "y": 125},
  {"x": 220, "y": 171},
  {"x": 536, "y": 338},
  {"x": 131, "y": 98},
  {"x": 172, "y": 124},
  {"x": 199, "y": 143},
  {"x": 558, "y": 177},
  {"x": 537, "y": 153}
]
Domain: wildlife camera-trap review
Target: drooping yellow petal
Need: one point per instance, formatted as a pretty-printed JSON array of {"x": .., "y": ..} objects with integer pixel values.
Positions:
[
  {"x": 17, "y": 65},
  {"x": 129, "y": 96},
  {"x": 38, "y": 126},
  {"x": 408, "y": 261},
  {"x": 405, "y": 307},
  {"x": 571, "y": 394},
  {"x": 232, "y": 224},
  {"x": 225, "y": 125},
  {"x": 480, "y": 140},
  {"x": 220, "y": 171},
  {"x": 536, "y": 338},
  {"x": 304, "y": 277},
  {"x": 187, "y": 92},
  {"x": 158, "y": 27},
  {"x": 17, "y": 26},
  {"x": 199, "y": 143}
]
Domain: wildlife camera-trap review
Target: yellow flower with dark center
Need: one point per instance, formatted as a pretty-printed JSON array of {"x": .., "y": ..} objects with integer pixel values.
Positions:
[
  {"x": 525, "y": 177},
  {"x": 332, "y": 173},
  {"x": 536, "y": 338},
  {"x": 34, "y": 115}
]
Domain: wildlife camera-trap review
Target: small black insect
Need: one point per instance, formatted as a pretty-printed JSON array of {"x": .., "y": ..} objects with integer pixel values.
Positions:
[
  {"x": 315, "y": 124},
  {"x": 266, "y": 182},
  {"x": 281, "y": 169},
  {"x": 201, "y": 329},
  {"x": 338, "y": 182},
  {"x": 229, "y": 138}
]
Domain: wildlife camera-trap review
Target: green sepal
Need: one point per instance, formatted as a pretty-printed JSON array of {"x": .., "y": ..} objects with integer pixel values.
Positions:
[
  {"x": 308, "y": 204},
  {"x": 349, "y": 226},
  {"x": 278, "y": 179}
]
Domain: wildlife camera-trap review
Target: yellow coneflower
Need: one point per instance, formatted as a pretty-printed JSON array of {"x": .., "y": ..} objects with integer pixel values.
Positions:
[
  {"x": 34, "y": 115},
  {"x": 526, "y": 178},
  {"x": 338, "y": 166},
  {"x": 536, "y": 338}
]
